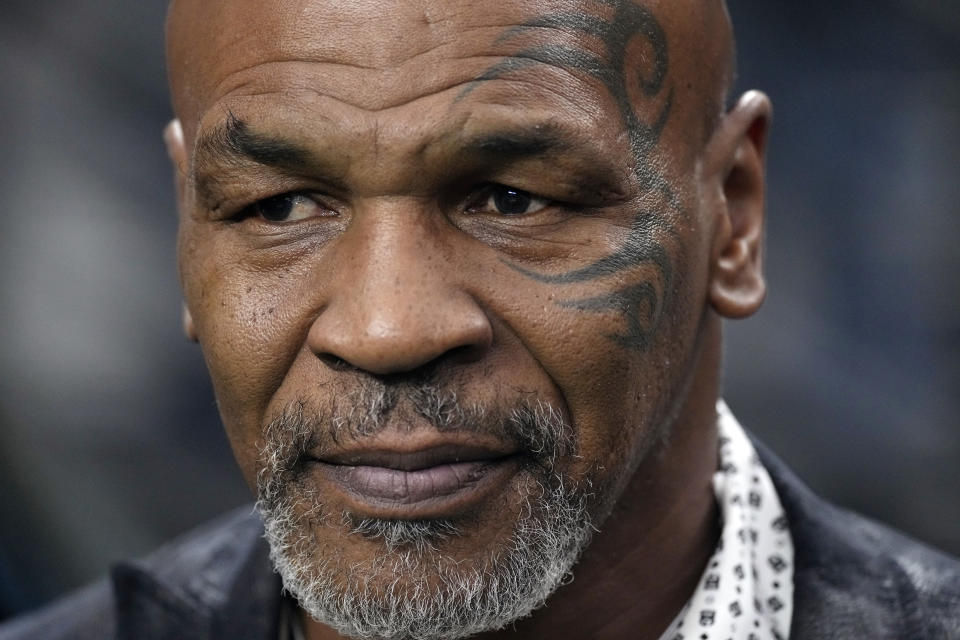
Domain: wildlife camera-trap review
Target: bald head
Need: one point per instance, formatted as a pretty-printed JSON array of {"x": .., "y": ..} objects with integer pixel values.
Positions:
[{"x": 381, "y": 54}]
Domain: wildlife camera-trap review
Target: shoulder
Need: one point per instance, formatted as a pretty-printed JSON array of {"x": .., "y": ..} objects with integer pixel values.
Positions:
[
  {"x": 184, "y": 582},
  {"x": 857, "y": 578},
  {"x": 84, "y": 615}
]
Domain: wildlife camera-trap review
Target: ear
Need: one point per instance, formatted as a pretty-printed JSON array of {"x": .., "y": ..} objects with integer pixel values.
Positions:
[
  {"x": 189, "y": 329},
  {"x": 176, "y": 149},
  {"x": 735, "y": 183},
  {"x": 173, "y": 138}
]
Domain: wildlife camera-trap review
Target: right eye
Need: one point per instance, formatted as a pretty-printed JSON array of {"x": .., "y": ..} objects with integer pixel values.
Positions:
[
  {"x": 514, "y": 202},
  {"x": 503, "y": 200},
  {"x": 286, "y": 207}
]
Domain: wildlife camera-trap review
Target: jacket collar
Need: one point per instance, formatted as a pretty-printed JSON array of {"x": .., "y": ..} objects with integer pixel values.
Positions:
[
  {"x": 847, "y": 583},
  {"x": 218, "y": 583}
]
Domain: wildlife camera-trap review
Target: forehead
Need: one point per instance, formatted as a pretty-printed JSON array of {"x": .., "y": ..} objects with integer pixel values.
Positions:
[
  {"x": 353, "y": 61},
  {"x": 362, "y": 39}
]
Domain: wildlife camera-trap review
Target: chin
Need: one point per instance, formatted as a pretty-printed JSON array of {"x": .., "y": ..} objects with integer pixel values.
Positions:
[{"x": 436, "y": 578}]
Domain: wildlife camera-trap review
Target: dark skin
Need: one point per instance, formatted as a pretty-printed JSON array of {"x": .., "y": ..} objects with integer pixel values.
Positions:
[{"x": 528, "y": 198}]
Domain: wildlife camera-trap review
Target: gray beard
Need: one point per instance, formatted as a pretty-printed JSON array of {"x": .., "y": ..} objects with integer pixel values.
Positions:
[{"x": 412, "y": 589}]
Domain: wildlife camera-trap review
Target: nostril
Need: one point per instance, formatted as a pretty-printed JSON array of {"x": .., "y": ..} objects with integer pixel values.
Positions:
[
  {"x": 464, "y": 354},
  {"x": 335, "y": 362}
]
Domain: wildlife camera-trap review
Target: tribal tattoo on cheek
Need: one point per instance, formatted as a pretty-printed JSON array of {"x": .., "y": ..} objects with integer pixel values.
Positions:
[
  {"x": 636, "y": 302},
  {"x": 639, "y": 303}
]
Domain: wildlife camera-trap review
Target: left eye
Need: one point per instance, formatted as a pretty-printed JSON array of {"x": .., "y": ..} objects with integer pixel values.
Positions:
[
  {"x": 512, "y": 202},
  {"x": 285, "y": 207}
]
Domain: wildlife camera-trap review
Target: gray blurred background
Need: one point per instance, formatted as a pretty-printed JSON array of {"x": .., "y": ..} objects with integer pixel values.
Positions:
[{"x": 109, "y": 439}]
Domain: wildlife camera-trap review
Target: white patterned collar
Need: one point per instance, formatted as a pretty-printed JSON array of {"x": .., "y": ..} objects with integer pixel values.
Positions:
[{"x": 746, "y": 591}]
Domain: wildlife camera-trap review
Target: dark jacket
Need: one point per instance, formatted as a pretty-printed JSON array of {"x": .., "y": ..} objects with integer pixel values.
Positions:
[{"x": 853, "y": 579}]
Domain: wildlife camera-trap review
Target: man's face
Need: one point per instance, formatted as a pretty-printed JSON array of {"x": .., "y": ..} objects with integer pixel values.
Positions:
[{"x": 447, "y": 268}]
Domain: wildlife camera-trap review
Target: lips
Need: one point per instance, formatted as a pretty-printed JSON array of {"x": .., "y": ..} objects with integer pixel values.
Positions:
[{"x": 437, "y": 480}]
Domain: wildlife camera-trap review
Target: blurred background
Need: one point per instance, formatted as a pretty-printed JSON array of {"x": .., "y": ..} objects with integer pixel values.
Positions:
[{"x": 109, "y": 439}]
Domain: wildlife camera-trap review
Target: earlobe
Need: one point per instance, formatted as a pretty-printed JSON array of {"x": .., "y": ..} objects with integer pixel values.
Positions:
[
  {"x": 735, "y": 170},
  {"x": 189, "y": 329}
]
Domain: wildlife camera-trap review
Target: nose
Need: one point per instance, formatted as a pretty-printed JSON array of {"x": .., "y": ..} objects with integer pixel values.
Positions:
[{"x": 396, "y": 302}]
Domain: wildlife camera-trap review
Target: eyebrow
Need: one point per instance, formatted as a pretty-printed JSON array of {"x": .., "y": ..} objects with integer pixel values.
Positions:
[
  {"x": 232, "y": 141},
  {"x": 516, "y": 144}
]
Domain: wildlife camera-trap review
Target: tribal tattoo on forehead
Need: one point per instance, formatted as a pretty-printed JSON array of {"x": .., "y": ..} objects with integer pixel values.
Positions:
[
  {"x": 639, "y": 303},
  {"x": 628, "y": 22}
]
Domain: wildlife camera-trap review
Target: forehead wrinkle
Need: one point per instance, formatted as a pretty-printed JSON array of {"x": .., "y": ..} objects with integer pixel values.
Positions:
[
  {"x": 529, "y": 89},
  {"x": 424, "y": 27},
  {"x": 377, "y": 91},
  {"x": 295, "y": 80},
  {"x": 468, "y": 37},
  {"x": 314, "y": 50},
  {"x": 566, "y": 23}
]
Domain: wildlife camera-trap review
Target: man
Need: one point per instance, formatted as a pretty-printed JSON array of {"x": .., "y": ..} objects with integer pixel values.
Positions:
[{"x": 458, "y": 273}]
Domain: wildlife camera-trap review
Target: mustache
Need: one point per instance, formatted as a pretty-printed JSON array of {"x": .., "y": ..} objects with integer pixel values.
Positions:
[{"x": 301, "y": 430}]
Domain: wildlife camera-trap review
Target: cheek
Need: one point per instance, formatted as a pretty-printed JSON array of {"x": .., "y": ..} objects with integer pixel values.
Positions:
[
  {"x": 607, "y": 397},
  {"x": 620, "y": 392},
  {"x": 251, "y": 327},
  {"x": 593, "y": 377},
  {"x": 621, "y": 403}
]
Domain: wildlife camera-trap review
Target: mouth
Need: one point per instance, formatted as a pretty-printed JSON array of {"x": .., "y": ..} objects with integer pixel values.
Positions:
[{"x": 434, "y": 481}]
